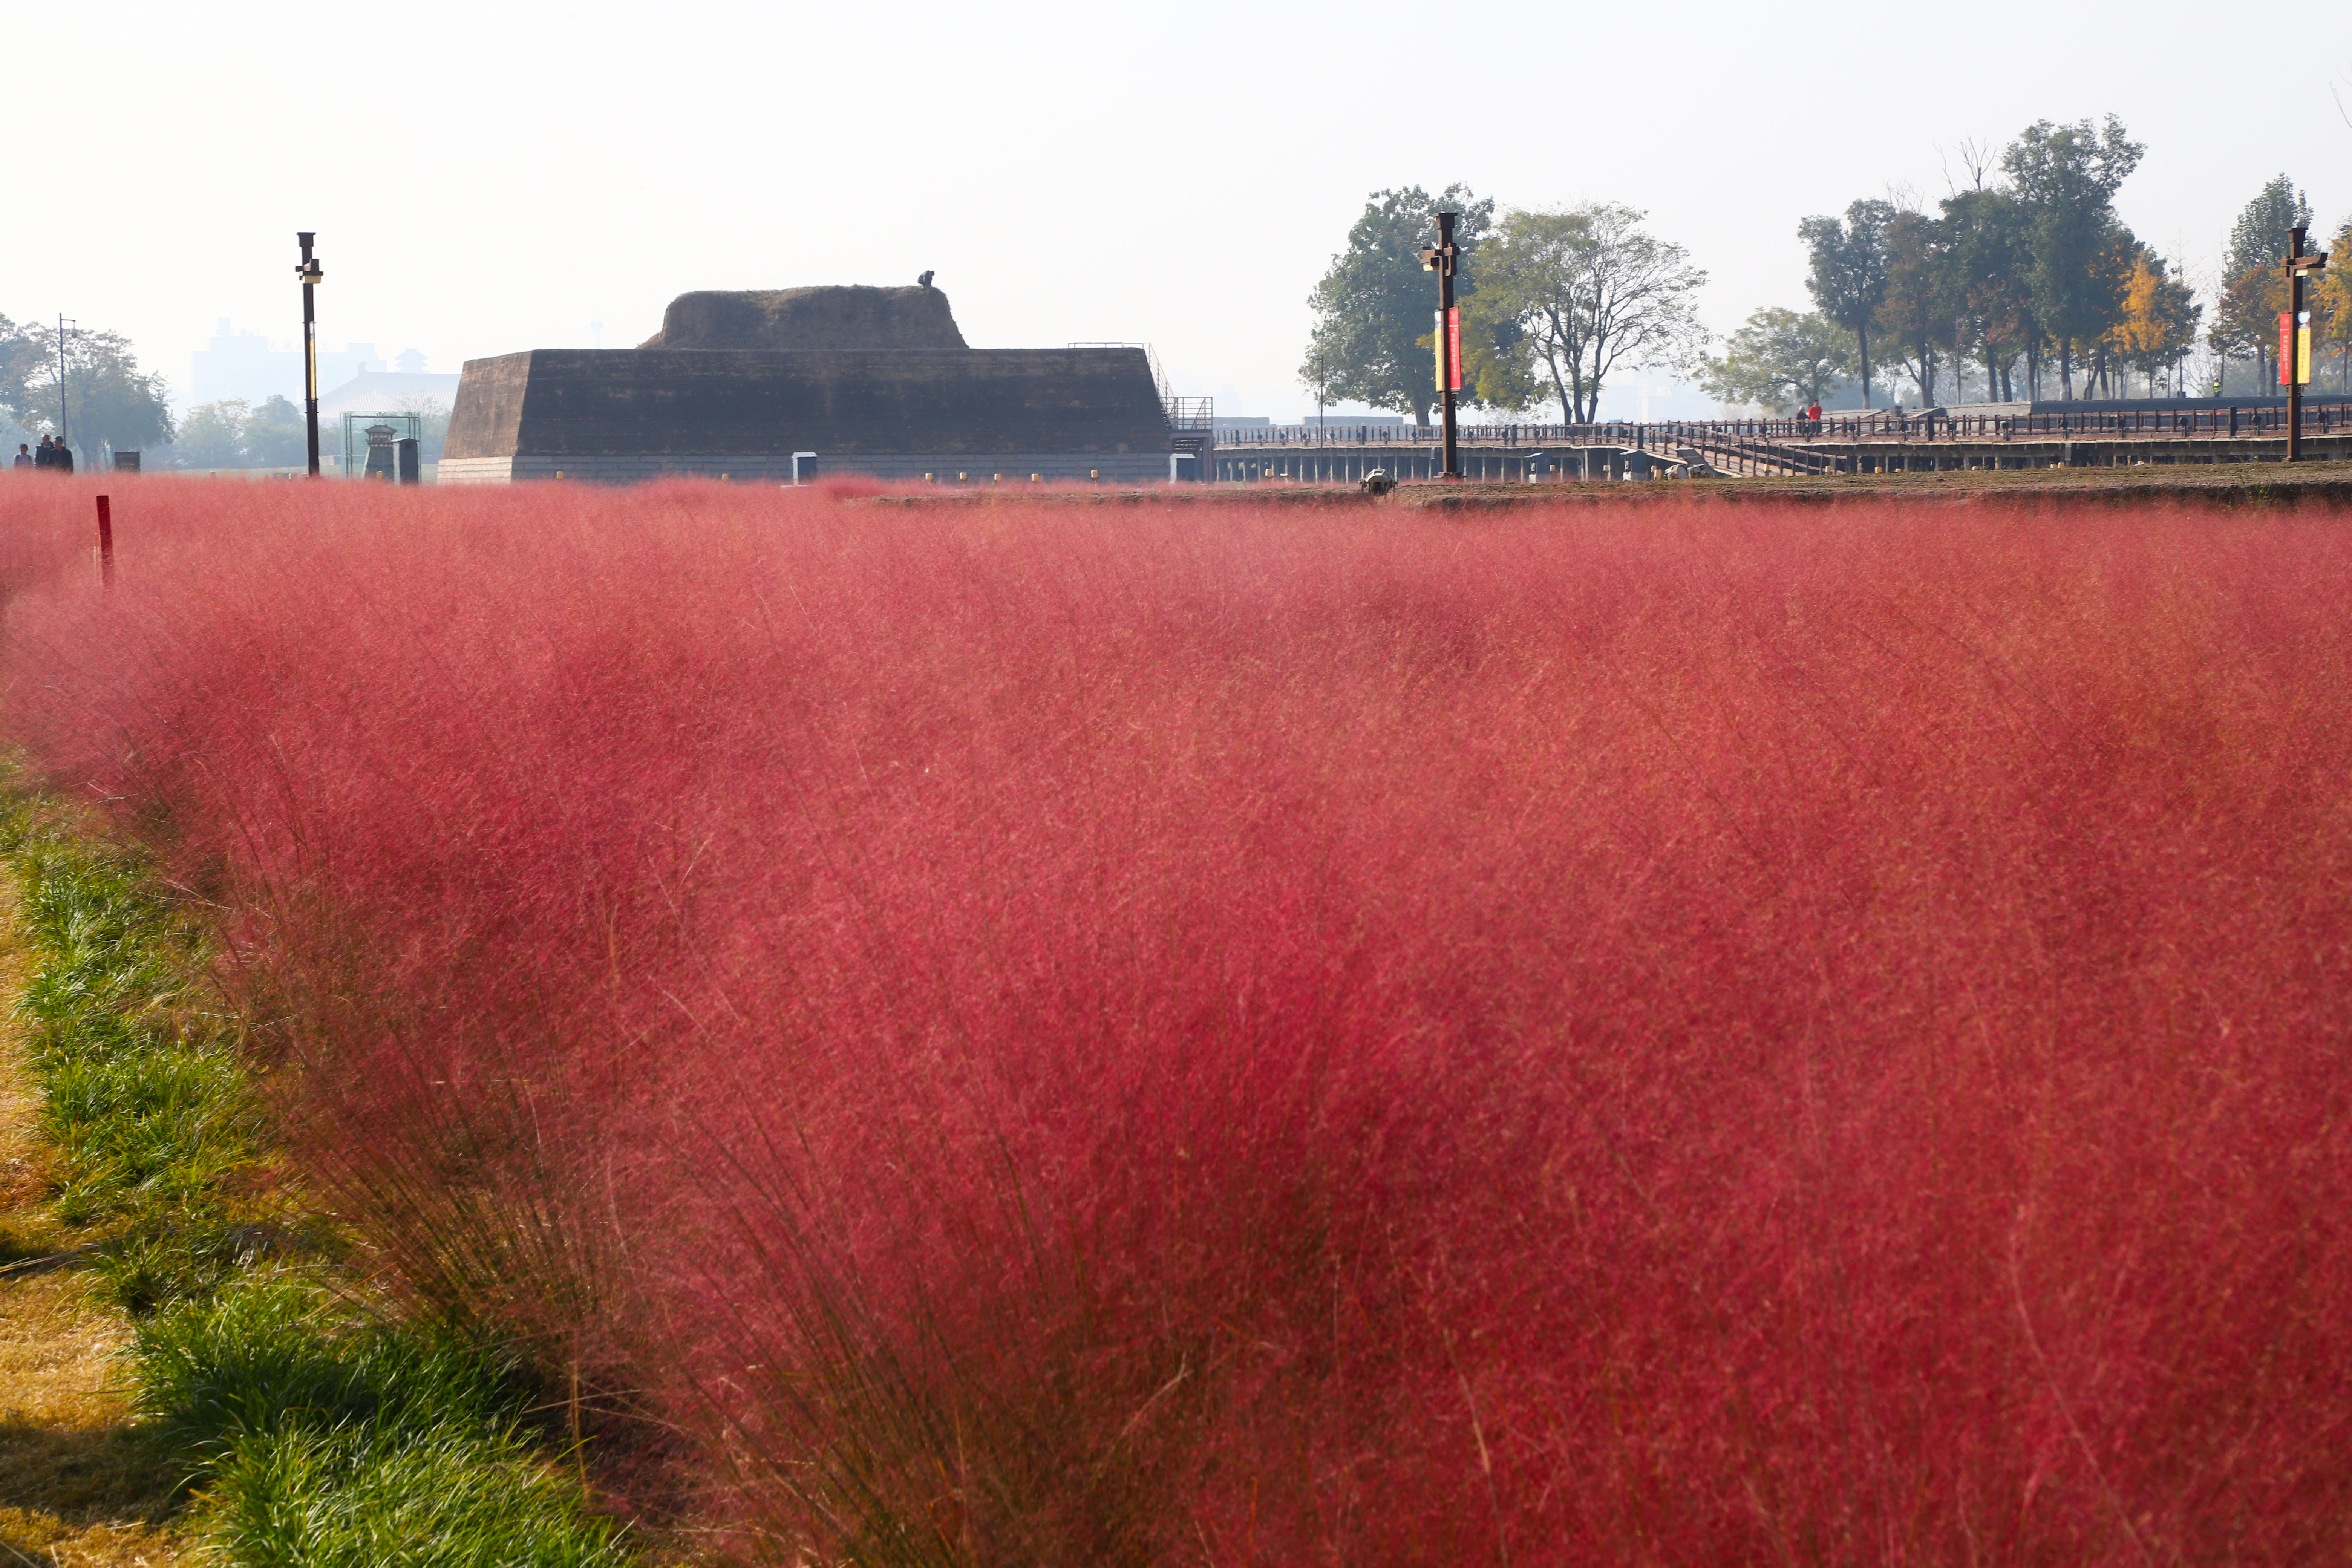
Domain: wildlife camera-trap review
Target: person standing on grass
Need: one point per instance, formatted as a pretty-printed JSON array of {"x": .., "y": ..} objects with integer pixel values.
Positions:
[
  {"x": 23, "y": 456},
  {"x": 46, "y": 456},
  {"x": 63, "y": 461}
]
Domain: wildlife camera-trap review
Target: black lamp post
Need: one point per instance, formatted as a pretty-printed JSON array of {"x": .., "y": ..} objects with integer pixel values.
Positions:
[
  {"x": 1440, "y": 260},
  {"x": 2295, "y": 335},
  {"x": 312, "y": 274},
  {"x": 63, "y": 322}
]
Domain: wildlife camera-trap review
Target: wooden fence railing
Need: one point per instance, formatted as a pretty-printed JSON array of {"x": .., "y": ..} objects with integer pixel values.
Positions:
[{"x": 2150, "y": 424}]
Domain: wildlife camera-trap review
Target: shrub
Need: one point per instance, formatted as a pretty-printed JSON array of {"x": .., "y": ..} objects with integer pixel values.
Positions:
[{"x": 1071, "y": 1034}]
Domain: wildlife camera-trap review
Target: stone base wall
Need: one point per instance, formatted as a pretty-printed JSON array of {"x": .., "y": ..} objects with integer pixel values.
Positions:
[{"x": 946, "y": 468}]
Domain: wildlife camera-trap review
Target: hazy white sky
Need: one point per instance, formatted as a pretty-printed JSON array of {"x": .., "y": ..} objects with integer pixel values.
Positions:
[{"x": 493, "y": 176}]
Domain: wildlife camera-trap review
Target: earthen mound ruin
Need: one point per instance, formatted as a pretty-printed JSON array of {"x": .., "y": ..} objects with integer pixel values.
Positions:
[{"x": 791, "y": 321}]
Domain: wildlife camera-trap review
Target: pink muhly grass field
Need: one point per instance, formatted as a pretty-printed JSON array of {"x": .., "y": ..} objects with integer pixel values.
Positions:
[{"x": 1245, "y": 1034}]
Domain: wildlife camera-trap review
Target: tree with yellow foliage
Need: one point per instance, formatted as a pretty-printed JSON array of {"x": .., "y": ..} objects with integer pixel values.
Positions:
[
  {"x": 2159, "y": 317},
  {"x": 2331, "y": 308}
]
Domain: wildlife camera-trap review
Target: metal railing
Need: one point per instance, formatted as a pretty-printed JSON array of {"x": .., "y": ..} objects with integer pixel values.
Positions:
[
  {"x": 2144, "y": 424},
  {"x": 1190, "y": 413}
]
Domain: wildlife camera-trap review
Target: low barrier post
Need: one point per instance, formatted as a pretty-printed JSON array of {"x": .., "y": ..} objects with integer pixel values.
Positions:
[{"x": 105, "y": 542}]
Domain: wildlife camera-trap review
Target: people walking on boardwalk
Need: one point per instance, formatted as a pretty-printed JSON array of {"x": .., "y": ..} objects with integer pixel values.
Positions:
[
  {"x": 1813, "y": 418},
  {"x": 23, "y": 456}
]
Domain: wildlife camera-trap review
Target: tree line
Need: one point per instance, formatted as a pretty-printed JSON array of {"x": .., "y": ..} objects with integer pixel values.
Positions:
[
  {"x": 108, "y": 403},
  {"x": 1553, "y": 303},
  {"x": 2026, "y": 281},
  {"x": 104, "y": 399}
]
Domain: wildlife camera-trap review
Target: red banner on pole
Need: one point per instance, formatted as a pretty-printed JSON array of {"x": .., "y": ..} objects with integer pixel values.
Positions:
[
  {"x": 2286, "y": 348},
  {"x": 1453, "y": 346}
]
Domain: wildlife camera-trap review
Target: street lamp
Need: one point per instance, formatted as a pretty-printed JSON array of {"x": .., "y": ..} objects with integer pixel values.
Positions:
[
  {"x": 63, "y": 322},
  {"x": 2295, "y": 335},
  {"x": 312, "y": 274},
  {"x": 1441, "y": 259}
]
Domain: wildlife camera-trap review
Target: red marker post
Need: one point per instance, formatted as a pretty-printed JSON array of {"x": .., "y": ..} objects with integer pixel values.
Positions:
[{"x": 105, "y": 543}]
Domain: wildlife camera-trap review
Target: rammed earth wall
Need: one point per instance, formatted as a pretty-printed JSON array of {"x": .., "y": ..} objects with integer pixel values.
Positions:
[
  {"x": 630, "y": 413},
  {"x": 940, "y": 467}
]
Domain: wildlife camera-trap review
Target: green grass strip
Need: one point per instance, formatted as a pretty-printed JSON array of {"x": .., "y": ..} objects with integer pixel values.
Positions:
[{"x": 317, "y": 1428}]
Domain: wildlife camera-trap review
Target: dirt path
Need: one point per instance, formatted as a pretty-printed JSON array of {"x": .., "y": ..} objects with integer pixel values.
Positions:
[{"x": 78, "y": 1489}]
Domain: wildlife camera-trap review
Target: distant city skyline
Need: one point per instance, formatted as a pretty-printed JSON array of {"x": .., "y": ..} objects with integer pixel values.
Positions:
[{"x": 244, "y": 363}]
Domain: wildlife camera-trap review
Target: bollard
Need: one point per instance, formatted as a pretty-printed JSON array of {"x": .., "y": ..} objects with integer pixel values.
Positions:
[{"x": 105, "y": 542}]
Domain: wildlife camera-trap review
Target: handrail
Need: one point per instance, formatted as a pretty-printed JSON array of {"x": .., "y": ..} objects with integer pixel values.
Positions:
[{"x": 1888, "y": 425}]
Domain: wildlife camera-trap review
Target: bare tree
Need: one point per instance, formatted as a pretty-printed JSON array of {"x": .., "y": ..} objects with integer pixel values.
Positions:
[{"x": 1589, "y": 291}]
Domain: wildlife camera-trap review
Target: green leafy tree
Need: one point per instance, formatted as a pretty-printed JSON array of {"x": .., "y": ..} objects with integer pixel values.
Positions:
[
  {"x": 2245, "y": 324},
  {"x": 1374, "y": 309},
  {"x": 276, "y": 436},
  {"x": 19, "y": 356},
  {"x": 2254, "y": 289},
  {"x": 1781, "y": 359},
  {"x": 1589, "y": 290},
  {"x": 1987, "y": 247},
  {"x": 1848, "y": 274},
  {"x": 2079, "y": 261},
  {"x": 1924, "y": 298},
  {"x": 212, "y": 435},
  {"x": 2258, "y": 238},
  {"x": 106, "y": 401}
]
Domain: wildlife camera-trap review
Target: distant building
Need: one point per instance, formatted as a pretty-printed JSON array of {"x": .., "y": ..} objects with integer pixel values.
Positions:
[
  {"x": 381, "y": 391},
  {"x": 337, "y": 366},
  {"x": 244, "y": 364},
  {"x": 1353, "y": 421},
  {"x": 1223, "y": 422}
]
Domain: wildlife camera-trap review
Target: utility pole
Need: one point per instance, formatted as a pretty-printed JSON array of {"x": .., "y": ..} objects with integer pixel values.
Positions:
[
  {"x": 2294, "y": 336},
  {"x": 312, "y": 274},
  {"x": 62, "y": 323},
  {"x": 1441, "y": 259}
]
